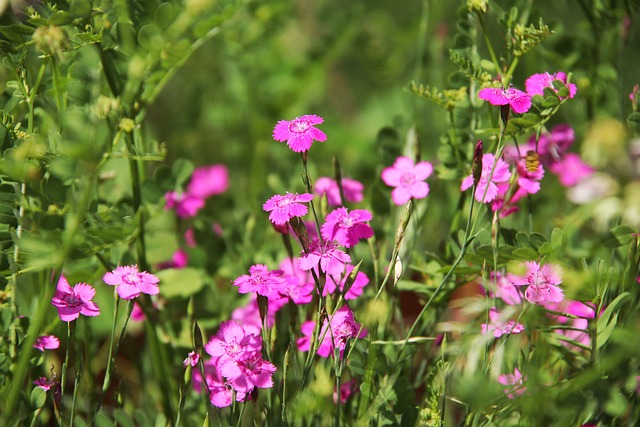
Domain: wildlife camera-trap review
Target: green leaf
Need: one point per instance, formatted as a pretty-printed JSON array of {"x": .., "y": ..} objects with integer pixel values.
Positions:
[
  {"x": 165, "y": 15},
  {"x": 122, "y": 419},
  {"x": 525, "y": 253},
  {"x": 562, "y": 89},
  {"x": 182, "y": 170},
  {"x": 545, "y": 249},
  {"x": 550, "y": 101},
  {"x": 180, "y": 283},
  {"x": 410, "y": 286},
  {"x": 607, "y": 323},
  {"x": 37, "y": 398},
  {"x": 618, "y": 236},
  {"x": 537, "y": 240},
  {"x": 557, "y": 238},
  {"x": 633, "y": 121}
]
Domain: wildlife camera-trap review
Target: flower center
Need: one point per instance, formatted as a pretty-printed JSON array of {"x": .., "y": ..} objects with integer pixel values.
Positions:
[
  {"x": 130, "y": 278},
  {"x": 407, "y": 179},
  {"x": 71, "y": 300},
  {"x": 299, "y": 126}
]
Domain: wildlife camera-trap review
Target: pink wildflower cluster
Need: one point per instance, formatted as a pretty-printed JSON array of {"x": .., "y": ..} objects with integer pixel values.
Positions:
[
  {"x": 205, "y": 182},
  {"x": 236, "y": 367},
  {"x": 408, "y": 179},
  {"x": 542, "y": 283}
]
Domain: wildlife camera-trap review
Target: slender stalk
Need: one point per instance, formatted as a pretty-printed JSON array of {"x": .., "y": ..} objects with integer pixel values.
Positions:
[
  {"x": 107, "y": 376},
  {"x": 65, "y": 365}
]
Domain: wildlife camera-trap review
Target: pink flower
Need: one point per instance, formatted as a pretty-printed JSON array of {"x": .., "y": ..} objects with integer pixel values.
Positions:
[
  {"x": 408, "y": 179},
  {"x": 283, "y": 208},
  {"x": 131, "y": 283},
  {"x": 248, "y": 316},
  {"x": 571, "y": 170},
  {"x": 499, "y": 326},
  {"x": 505, "y": 290},
  {"x": 254, "y": 372},
  {"x": 300, "y": 132},
  {"x": 44, "y": 384},
  {"x": 536, "y": 83},
  {"x": 347, "y": 228},
  {"x": 180, "y": 259},
  {"x": 542, "y": 282},
  {"x": 299, "y": 286},
  {"x": 347, "y": 389},
  {"x": 334, "y": 333},
  {"x": 361, "y": 280},
  {"x": 583, "y": 312},
  {"x": 518, "y": 100},
  {"x": 351, "y": 188},
  {"x": 529, "y": 180},
  {"x": 190, "y": 238},
  {"x": 137, "y": 314},
  {"x": 192, "y": 359},
  {"x": 72, "y": 302},
  {"x": 185, "y": 204},
  {"x": 325, "y": 255},
  {"x": 514, "y": 382},
  {"x": 49, "y": 342},
  {"x": 260, "y": 280},
  {"x": 208, "y": 181},
  {"x": 488, "y": 181}
]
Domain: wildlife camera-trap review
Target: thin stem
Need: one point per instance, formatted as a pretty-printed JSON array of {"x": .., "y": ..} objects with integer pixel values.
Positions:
[
  {"x": 494, "y": 58},
  {"x": 107, "y": 377}
]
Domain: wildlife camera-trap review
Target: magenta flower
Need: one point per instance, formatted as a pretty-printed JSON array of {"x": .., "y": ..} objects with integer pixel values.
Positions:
[
  {"x": 347, "y": 228},
  {"x": 505, "y": 290},
  {"x": 48, "y": 342},
  {"x": 356, "y": 289},
  {"x": 514, "y": 382},
  {"x": 536, "y": 83},
  {"x": 299, "y": 286},
  {"x": 529, "y": 180},
  {"x": 352, "y": 189},
  {"x": 44, "y": 384},
  {"x": 260, "y": 280},
  {"x": 180, "y": 259},
  {"x": 254, "y": 372},
  {"x": 192, "y": 359},
  {"x": 408, "y": 179},
  {"x": 334, "y": 333},
  {"x": 326, "y": 256},
  {"x": 571, "y": 170},
  {"x": 500, "y": 326},
  {"x": 72, "y": 302},
  {"x": 488, "y": 181},
  {"x": 248, "y": 316},
  {"x": 300, "y": 132},
  {"x": 137, "y": 314},
  {"x": 185, "y": 204},
  {"x": 583, "y": 313},
  {"x": 347, "y": 389},
  {"x": 208, "y": 181},
  {"x": 542, "y": 283},
  {"x": 518, "y": 100},
  {"x": 283, "y": 208},
  {"x": 131, "y": 283}
]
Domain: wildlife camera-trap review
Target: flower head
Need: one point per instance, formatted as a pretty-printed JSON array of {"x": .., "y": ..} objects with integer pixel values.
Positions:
[
  {"x": 208, "y": 181},
  {"x": 571, "y": 170},
  {"x": 44, "y": 383},
  {"x": 580, "y": 323},
  {"x": 185, "y": 204},
  {"x": 72, "y": 302},
  {"x": 488, "y": 181},
  {"x": 334, "y": 334},
  {"x": 48, "y": 342},
  {"x": 500, "y": 326},
  {"x": 408, "y": 178},
  {"x": 347, "y": 228},
  {"x": 192, "y": 359},
  {"x": 514, "y": 382},
  {"x": 130, "y": 282},
  {"x": 283, "y": 208},
  {"x": 518, "y": 100},
  {"x": 542, "y": 283},
  {"x": 536, "y": 84},
  {"x": 260, "y": 280},
  {"x": 351, "y": 188},
  {"x": 360, "y": 281},
  {"x": 300, "y": 132},
  {"x": 325, "y": 255}
]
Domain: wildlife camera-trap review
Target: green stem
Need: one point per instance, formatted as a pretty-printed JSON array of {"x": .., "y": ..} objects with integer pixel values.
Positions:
[
  {"x": 492, "y": 53},
  {"x": 65, "y": 365},
  {"x": 107, "y": 376}
]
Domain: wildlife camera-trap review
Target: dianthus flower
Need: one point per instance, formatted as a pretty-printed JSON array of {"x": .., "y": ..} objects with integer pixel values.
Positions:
[
  {"x": 180, "y": 259},
  {"x": 505, "y": 290},
  {"x": 408, "y": 178},
  {"x": 514, "y": 382},
  {"x": 499, "y": 326},
  {"x": 44, "y": 383},
  {"x": 260, "y": 280},
  {"x": 220, "y": 393},
  {"x": 583, "y": 313},
  {"x": 325, "y": 255},
  {"x": 300, "y": 132},
  {"x": 334, "y": 333},
  {"x": 351, "y": 188},
  {"x": 48, "y": 342},
  {"x": 488, "y": 180},
  {"x": 208, "y": 181},
  {"x": 192, "y": 359},
  {"x": 518, "y": 100},
  {"x": 186, "y": 205},
  {"x": 529, "y": 175},
  {"x": 536, "y": 83},
  {"x": 571, "y": 170},
  {"x": 347, "y": 228},
  {"x": 542, "y": 283},
  {"x": 361, "y": 280},
  {"x": 283, "y": 208},
  {"x": 299, "y": 286},
  {"x": 130, "y": 282},
  {"x": 347, "y": 389},
  {"x": 248, "y": 316},
  {"x": 72, "y": 302}
]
